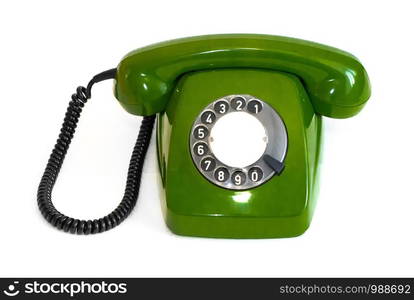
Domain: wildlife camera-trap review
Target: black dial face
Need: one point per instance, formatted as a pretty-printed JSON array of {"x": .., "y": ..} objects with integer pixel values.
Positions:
[{"x": 222, "y": 170}]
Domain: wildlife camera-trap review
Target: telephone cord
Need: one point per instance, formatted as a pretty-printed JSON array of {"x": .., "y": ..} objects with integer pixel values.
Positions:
[{"x": 54, "y": 164}]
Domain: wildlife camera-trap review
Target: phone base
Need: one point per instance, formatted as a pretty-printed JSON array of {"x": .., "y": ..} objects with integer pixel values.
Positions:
[
  {"x": 236, "y": 227},
  {"x": 280, "y": 207}
]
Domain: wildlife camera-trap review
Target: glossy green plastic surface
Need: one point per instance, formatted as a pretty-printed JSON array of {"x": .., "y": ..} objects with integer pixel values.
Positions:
[
  {"x": 335, "y": 81},
  {"x": 281, "y": 207}
]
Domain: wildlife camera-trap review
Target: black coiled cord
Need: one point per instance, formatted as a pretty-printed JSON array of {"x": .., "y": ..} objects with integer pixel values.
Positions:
[{"x": 44, "y": 194}]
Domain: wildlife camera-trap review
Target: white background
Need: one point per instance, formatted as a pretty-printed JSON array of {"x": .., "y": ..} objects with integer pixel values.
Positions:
[{"x": 363, "y": 224}]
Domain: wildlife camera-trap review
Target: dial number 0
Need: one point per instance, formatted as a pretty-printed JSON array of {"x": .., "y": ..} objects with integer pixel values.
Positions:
[{"x": 255, "y": 174}]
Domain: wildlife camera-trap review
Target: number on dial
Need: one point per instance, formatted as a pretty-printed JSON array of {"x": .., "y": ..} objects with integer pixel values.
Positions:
[
  {"x": 221, "y": 107},
  {"x": 238, "y": 103},
  {"x": 254, "y": 106},
  {"x": 200, "y": 132},
  {"x": 255, "y": 174},
  {"x": 208, "y": 164},
  {"x": 221, "y": 174},
  {"x": 200, "y": 149},
  {"x": 238, "y": 178},
  {"x": 208, "y": 117}
]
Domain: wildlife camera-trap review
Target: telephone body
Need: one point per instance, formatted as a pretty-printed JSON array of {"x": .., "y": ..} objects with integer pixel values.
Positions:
[
  {"x": 285, "y": 84},
  {"x": 280, "y": 207}
]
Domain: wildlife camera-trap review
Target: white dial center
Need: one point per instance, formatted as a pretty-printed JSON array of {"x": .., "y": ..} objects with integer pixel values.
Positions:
[{"x": 238, "y": 139}]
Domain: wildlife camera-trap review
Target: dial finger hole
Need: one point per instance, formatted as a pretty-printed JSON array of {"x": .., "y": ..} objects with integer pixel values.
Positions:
[
  {"x": 200, "y": 132},
  {"x": 221, "y": 107},
  {"x": 200, "y": 149},
  {"x": 238, "y": 178},
  {"x": 255, "y": 174},
  {"x": 222, "y": 174},
  {"x": 208, "y": 164},
  {"x": 254, "y": 106},
  {"x": 238, "y": 103},
  {"x": 208, "y": 117}
]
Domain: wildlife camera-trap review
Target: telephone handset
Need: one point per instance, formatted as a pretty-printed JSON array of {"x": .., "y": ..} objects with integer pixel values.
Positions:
[{"x": 238, "y": 122}]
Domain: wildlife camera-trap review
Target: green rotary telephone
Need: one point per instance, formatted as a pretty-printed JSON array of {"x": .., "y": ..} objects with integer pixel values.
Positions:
[{"x": 239, "y": 121}]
